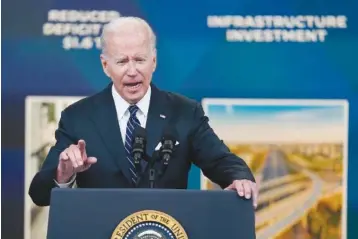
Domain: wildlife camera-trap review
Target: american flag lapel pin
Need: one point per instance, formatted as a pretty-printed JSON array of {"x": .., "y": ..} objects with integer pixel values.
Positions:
[{"x": 162, "y": 116}]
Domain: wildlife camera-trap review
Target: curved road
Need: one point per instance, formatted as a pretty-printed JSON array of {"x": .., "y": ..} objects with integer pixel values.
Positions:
[{"x": 276, "y": 167}]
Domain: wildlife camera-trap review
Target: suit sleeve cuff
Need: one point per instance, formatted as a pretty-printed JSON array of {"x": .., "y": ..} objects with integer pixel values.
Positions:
[{"x": 66, "y": 185}]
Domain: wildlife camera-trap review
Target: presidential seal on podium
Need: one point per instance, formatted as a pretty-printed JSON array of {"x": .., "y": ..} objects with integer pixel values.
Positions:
[{"x": 149, "y": 224}]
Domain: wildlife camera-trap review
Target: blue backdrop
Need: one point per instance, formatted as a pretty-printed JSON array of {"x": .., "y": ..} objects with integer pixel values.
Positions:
[{"x": 193, "y": 59}]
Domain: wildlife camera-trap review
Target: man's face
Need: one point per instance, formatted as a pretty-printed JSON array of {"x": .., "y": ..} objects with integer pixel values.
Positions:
[{"x": 130, "y": 62}]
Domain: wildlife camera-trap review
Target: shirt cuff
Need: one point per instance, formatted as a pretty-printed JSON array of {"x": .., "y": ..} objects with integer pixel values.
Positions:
[{"x": 66, "y": 185}]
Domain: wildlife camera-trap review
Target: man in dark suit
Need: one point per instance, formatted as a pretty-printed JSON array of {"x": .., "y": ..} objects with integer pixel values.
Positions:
[{"x": 94, "y": 137}]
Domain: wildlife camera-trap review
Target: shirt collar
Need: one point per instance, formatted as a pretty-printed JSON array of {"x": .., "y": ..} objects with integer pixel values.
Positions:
[{"x": 122, "y": 105}]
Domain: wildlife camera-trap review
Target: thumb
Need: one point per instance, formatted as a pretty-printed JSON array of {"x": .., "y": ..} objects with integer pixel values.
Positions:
[
  {"x": 91, "y": 160},
  {"x": 231, "y": 186}
]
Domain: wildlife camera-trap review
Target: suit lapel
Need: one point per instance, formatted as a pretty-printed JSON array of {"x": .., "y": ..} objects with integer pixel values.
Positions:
[
  {"x": 106, "y": 120},
  {"x": 158, "y": 118}
]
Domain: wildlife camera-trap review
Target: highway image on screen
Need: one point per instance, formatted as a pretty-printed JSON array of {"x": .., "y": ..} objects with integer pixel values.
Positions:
[{"x": 297, "y": 150}]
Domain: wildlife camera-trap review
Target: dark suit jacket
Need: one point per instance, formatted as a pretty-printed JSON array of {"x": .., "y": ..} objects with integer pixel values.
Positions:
[{"x": 94, "y": 119}]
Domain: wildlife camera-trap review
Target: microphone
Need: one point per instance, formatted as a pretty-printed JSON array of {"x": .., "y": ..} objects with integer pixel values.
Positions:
[
  {"x": 168, "y": 142},
  {"x": 138, "y": 146}
]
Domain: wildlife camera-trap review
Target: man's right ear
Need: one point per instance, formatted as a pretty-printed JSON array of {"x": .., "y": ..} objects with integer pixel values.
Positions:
[{"x": 104, "y": 64}]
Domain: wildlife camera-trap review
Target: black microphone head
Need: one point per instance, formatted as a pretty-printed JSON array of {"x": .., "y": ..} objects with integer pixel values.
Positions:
[
  {"x": 138, "y": 144},
  {"x": 170, "y": 134},
  {"x": 140, "y": 132},
  {"x": 168, "y": 142}
]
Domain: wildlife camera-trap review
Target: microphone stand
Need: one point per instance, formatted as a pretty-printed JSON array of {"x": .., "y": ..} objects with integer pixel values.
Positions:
[
  {"x": 139, "y": 172},
  {"x": 152, "y": 171},
  {"x": 151, "y": 177}
]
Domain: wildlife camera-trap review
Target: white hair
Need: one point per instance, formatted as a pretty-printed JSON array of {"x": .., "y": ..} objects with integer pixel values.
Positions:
[{"x": 115, "y": 24}]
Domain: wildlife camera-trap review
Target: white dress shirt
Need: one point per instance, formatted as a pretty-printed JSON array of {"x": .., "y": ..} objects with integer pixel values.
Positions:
[
  {"x": 123, "y": 117},
  {"x": 123, "y": 112}
]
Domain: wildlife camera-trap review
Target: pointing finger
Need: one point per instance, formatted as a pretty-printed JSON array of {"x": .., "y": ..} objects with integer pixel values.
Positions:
[
  {"x": 78, "y": 156},
  {"x": 81, "y": 145}
]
